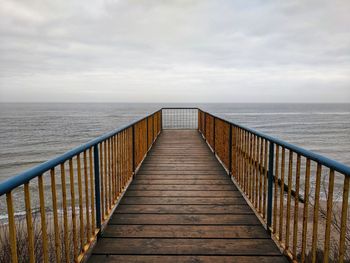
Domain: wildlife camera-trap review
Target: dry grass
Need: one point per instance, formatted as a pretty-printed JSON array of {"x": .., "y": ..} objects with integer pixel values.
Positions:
[{"x": 22, "y": 241}]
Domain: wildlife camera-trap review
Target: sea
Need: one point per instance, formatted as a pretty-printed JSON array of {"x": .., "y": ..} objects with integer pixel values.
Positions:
[{"x": 31, "y": 133}]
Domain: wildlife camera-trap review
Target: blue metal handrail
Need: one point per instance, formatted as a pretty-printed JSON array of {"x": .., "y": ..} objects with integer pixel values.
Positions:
[
  {"x": 337, "y": 166},
  {"x": 24, "y": 177}
]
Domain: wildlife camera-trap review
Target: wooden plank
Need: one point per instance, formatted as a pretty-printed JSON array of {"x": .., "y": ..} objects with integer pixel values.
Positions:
[
  {"x": 183, "y": 200},
  {"x": 219, "y": 173},
  {"x": 164, "y": 246},
  {"x": 184, "y": 209},
  {"x": 185, "y": 231},
  {"x": 185, "y": 219},
  {"x": 216, "y": 187},
  {"x": 186, "y": 182},
  {"x": 183, "y": 193},
  {"x": 180, "y": 168},
  {"x": 180, "y": 177},
  {"x": 185, "y": 259}
]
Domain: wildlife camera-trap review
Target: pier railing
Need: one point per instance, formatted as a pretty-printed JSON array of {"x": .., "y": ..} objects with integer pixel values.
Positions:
[
  {"x": 302, "y": 197},
  {"x": 68, "y": 199}
]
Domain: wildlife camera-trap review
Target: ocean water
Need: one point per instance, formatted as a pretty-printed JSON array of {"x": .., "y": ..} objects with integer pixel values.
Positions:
[{"x": 33, "y": 133}]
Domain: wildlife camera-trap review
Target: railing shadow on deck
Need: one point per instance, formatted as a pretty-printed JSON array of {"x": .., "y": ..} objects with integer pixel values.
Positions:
[{"x": 303, "y": 202}]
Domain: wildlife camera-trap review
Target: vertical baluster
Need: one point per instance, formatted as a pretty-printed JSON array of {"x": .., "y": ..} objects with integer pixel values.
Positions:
[
  {"x": 239, "y": 156},
  {"x": 123, "y": 158},
  {"x": 92, "y": 193},
  {"x": 305, "y": 210},
  {"x": 101, "y": 166},
  {"x": 257, "y": 140},
  {"x": 55, "y": 216},
  {"x": 113, "y": 170},
  {"x": 232, "y": 151},
  {"x": 316, "y": 208},
  {"x": 29, "y": 221},
  {"x": 117, "y": 144},
  {"x": 250, "y": 163},
  {"x": 12, "y": 227},
  {"x": 329, "y": 216},
  {"x": 65, "y": 213},
  {"x": 253, "y": 169},
  {"x": 256, "y": 169},
  {"x": 245, "y": 162},
  {"x": 121, "y": 163},
  {"x": 261, "y": 176},
  {"x": 270, "y": 185},
  {"x": 242, "y": 159},
  {"x": 276, "y": 190},
  {"x": 43, "y": 219},
  {"x": 81, "y": 216},
  {"x": 280, "y": 232},
  {"x": 130, "y": 150},
  {"x": 74, "y": 226},
  {"x": 344, "y": 218},
  {"x": 105, "y": 180},
  {"x": 124, "y": 155},
  {"x": 118, "y": 165},
  {"x": 289, "y": 199},
  {"x": 265, "y": 178},
  {"x": 98, "y": 186},
  {"x": 87, "y": 207},
  {"x": 296, "y": 207},
  {"x": 258, "y": 175},
  {"x": 109, "y": 175}
]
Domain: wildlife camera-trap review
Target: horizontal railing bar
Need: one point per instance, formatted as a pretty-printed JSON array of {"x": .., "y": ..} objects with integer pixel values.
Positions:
[
  {"x": 24, "y": 177},
  {"x": 337, "y": 166}
]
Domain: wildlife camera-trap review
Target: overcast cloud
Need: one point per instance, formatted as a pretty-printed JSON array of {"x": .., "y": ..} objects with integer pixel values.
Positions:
[{"x": 175, "y": 51}]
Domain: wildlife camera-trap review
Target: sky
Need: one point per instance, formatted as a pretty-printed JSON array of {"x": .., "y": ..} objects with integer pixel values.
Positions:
[{"x": 174, "y": 51}]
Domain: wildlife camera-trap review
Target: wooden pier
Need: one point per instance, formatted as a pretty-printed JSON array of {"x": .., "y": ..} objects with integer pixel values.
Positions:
[
  {"x": 183, "y": 207},
  {"x": 181, "y": 185}
]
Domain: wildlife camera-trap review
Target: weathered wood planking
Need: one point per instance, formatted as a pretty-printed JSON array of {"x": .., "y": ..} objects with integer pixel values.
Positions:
[{"x": 182, "y": 207}]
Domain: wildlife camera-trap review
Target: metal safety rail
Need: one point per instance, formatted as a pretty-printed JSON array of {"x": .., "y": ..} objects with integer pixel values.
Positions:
[
  {"x": 76, "y": 194},
  {"x": 180, "y": 118},
  {"x": 302, "y": 197}
]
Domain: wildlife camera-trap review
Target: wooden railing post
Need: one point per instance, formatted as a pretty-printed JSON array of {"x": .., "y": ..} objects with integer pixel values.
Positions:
[
  {"x": 97, "y": 188},
  {"x": 270, "y": 186}
]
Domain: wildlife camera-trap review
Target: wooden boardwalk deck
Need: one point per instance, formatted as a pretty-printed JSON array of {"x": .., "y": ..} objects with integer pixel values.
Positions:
[{"x": 182, "y": 207}]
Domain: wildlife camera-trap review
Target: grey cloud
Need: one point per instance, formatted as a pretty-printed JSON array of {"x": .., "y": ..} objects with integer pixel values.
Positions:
[{"x": 116, "y": 50}]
